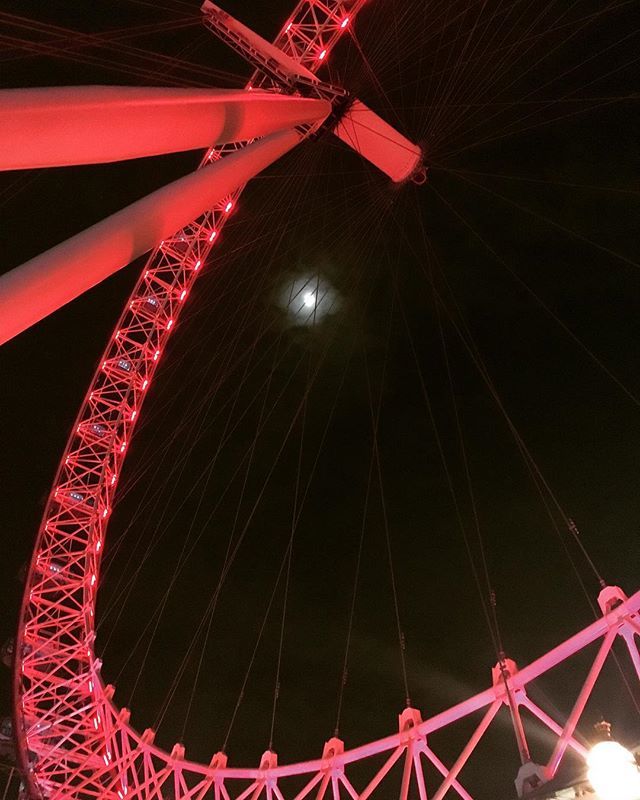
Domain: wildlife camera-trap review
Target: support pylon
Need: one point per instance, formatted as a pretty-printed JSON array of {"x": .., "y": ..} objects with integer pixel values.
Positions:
[
  {"x": 35, "y": 289},
  {"x": 60, "y": 126}
]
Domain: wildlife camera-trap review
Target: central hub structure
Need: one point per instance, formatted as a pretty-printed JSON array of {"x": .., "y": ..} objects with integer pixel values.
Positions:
[{"x": 351, "y": 120}]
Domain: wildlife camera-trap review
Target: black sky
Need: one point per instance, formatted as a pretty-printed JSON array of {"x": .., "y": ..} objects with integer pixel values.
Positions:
[{"x": 527, "y": 234}]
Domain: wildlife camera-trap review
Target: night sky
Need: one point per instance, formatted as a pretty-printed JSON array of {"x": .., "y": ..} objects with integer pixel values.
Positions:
[{"x": 514, "y": 274}]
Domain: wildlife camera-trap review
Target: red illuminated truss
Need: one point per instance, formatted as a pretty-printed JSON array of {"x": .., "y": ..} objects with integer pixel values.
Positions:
[{"x": 73, "y": 740}]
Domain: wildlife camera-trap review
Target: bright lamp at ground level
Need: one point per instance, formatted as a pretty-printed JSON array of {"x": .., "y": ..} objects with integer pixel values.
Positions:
[{"x": 613, "y": 772}]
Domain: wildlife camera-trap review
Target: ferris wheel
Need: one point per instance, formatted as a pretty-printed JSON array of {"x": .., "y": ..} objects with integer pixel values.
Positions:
[{"x": 73, "y": 739}]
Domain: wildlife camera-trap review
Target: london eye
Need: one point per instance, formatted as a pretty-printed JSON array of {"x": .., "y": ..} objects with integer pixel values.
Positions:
[{"x": 355, "y": 474}]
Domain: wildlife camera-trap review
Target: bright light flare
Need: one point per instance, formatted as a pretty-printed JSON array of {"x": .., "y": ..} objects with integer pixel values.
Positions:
[
  {"x": 613, "y": 772},
  {"x": 307, "y": 299}
]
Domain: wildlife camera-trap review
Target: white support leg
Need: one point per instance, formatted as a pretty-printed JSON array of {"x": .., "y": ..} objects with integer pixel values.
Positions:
[
  {"x": 56, "y": 127},
  {"x": 37, "y": 288}
]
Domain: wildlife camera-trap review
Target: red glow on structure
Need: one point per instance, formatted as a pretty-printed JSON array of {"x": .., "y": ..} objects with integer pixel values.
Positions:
[
  {"x": 378, "y": 142},
  {"x": 93, "y": 460},
  {"x": 62, "y": 126}
]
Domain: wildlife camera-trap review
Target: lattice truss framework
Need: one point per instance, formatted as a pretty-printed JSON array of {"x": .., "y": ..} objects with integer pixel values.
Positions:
[{"x": 74, "y": 741}]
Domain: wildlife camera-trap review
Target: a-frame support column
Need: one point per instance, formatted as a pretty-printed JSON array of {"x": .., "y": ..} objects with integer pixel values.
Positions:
[{"x": 30, "y": 292}]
